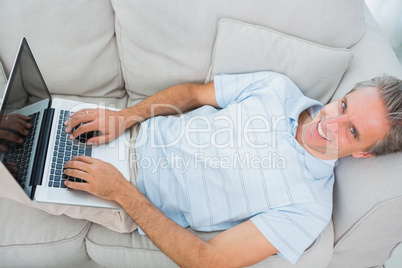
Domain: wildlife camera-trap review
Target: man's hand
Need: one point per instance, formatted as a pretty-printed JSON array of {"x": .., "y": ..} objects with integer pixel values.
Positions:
[
  {"x": 13, "y": 128},
  {"x": 102, "y": 179},
  {"x": 17, "y": 122},
  {"x": 110, "y": 123}
]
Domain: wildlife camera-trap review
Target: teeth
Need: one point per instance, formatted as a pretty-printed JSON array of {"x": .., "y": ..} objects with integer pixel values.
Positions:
[{"x": 321, "y": 132}]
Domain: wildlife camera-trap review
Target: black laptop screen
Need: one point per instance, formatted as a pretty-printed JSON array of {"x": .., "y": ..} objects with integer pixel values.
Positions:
[{"x": 25, "y": 100}]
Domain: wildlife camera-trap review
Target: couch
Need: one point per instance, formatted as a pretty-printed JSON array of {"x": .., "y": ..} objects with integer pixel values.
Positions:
[{"x": 117, "y": 52}]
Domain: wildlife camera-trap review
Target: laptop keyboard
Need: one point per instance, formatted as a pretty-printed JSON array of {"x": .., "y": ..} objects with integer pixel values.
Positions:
[
  {"x": 65, "y": 149},
  {"x": 20, "y": 153}
]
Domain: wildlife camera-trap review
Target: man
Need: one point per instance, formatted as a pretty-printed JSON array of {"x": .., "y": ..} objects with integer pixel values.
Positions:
[{"x": 251, "y": 156}]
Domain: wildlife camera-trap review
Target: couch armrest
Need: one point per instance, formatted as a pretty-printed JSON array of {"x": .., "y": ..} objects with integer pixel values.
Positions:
[{"x": 367, "y": 205}]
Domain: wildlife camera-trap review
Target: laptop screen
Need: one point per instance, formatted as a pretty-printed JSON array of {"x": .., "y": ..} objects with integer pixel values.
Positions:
[{"x": 24, "y": 101}]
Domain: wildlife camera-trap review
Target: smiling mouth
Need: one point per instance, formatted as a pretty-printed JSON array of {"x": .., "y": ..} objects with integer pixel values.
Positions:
[{"x": 321, "y": 132}]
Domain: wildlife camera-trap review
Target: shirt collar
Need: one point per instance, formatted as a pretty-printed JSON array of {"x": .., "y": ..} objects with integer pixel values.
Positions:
[{"x": 294, "y": 107}]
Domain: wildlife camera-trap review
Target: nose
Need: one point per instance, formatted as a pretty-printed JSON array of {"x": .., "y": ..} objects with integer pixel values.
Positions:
[
  {"x": 331, "y": 124},
  {"x": 335, "y": 119}
]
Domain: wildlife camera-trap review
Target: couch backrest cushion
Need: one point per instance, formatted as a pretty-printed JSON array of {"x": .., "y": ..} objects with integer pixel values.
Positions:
[
  {"x": 372, "y": 56},
  {"x": 162, "y": 43},
  {"x": 73, "y": 43},
  {"x": 242, "y": 47}
]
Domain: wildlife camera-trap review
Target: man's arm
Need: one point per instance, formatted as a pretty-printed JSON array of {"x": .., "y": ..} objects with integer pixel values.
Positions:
[
  {"x": 239, "y": 246},
  {"x": 175, "y": 100}
]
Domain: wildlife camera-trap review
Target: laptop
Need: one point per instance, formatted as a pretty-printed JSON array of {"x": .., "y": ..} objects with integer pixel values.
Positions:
[{"x": 37, "y": 163}]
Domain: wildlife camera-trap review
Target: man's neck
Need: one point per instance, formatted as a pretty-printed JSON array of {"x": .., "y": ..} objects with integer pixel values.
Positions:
[{"x": 304, "y": 119}]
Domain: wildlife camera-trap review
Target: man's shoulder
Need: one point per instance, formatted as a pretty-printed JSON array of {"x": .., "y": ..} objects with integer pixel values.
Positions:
[
  {"x": 265, "y": 84},
  {"x": 265, "y": 77},
  {"x": 282, "y": 85}
]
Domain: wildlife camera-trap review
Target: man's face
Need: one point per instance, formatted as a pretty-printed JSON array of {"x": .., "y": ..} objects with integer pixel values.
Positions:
[{"x": 347, "y": 126}]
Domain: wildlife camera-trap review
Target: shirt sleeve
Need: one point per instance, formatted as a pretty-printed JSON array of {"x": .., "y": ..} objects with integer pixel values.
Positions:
[
  {"x": 237, "y": 87},
  {"x": 292, "y": 229}
]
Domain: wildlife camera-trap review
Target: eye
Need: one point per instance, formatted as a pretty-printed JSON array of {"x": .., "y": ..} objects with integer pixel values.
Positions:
[
  {"x": 353, "y": 131},
  {"x": 343, "y": 105}
]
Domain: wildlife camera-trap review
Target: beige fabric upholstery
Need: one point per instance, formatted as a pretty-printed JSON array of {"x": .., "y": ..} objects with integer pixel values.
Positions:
[
  {"x": 73, "y": 43},
  {"x": 372, "y": 56},
  {"x": 163, "y": 43},
  {"x": 111, "y": 249},
  {"x": 367, "y": 206},
  {"x": 315, "y": 69},
  {"x": 29, "y": 236}
]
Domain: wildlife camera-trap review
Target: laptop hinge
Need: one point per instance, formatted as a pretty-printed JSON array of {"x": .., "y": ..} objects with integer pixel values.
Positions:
[{"x": 41, "y": 150}]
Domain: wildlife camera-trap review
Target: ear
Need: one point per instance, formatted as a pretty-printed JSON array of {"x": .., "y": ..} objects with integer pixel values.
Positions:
[{"x": 361, "y": 154}]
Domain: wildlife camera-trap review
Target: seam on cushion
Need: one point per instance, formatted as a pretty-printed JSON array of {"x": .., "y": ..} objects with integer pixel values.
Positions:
[
  {"x": 393, "y": 249},
  {"x": 119, "y": 42},
  {"x": 364, "y": 22},
  {"x": 80, "y": 234},
  {"x": 120, "y": 71},
  {"x": 88, "y": 240},
  {"x": 212, "y": 67},
  {"x": 118, "y": 248},
  {"x": 364, "y": 218}
]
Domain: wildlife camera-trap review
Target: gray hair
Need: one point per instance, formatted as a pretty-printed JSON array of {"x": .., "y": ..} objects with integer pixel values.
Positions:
[{"x": 390, "y": 89}]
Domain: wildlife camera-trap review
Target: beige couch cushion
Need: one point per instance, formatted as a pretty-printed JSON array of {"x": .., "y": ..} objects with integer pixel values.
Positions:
[
  {"x": 163, "y": 43},
  {"x": 73, "y": 43},
  {"x": 111, "y": 249},
  {"x": 372, "y": 56},
  {"x": 242, "y": 47},
  {"x": 33, "y": 238}
]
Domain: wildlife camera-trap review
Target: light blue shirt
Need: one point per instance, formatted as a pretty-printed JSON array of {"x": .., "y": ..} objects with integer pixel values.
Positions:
[{"x": 212, "y": 169}]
